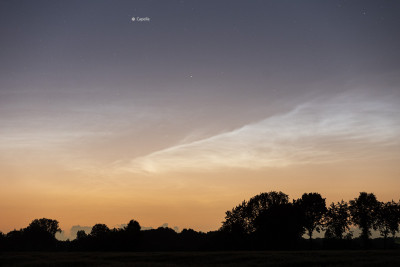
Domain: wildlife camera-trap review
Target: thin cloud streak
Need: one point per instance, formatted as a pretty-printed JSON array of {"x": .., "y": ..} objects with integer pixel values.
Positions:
[{"x": 321, "y": 131}]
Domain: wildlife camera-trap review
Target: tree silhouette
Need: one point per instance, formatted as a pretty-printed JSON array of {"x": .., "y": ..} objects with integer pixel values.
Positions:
[
  {"x": 314, "y": 208},
  {"x": 241, "y": 219},
  {"x": 131, "y": 237},
  {"x": 388, "y": 219},
  {"x": 161, "y": 239},
  {"x": 40, "y": 234},
  {"x": 364, "y": 210},
  {"x": 133, "y": 227},
  {"x": 81, "y": 234},
  {"x": 15, "y": 240},
  {"x": 279, "y": 226},
  {"x": 192, "y": 240},
  {"x": 337, "y": 220},
  {"x": 45, "y": 225},
  {"x": 100, "y": 230},
  {"x": 247, "y": 221},
  {"x": 238, "y": 220}
]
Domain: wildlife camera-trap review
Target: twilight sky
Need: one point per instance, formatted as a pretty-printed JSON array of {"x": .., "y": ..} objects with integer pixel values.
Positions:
[{"x": 180, "y": 118}]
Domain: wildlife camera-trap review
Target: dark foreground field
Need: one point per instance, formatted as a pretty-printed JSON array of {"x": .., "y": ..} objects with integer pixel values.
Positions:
[{"x": 298, "y": 258}]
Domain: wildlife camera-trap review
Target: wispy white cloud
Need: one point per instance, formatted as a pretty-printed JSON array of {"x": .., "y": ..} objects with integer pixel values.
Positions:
[{"x": 342, "y": 128}]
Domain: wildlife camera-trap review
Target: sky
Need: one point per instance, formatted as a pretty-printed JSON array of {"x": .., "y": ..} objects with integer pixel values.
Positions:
[{"x": 176, "y": 111}]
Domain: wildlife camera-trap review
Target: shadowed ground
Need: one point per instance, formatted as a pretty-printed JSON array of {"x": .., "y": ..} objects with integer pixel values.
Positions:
[{"x": 296, "y": 258}]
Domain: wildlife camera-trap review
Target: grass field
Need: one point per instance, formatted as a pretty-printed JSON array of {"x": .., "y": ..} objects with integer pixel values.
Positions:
[{"x": 269, "y": 258}]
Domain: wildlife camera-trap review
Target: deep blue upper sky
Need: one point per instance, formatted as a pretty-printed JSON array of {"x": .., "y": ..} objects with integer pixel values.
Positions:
[
  {"x": 207, "y": 66},
  {"x": 215, "y": 45}
]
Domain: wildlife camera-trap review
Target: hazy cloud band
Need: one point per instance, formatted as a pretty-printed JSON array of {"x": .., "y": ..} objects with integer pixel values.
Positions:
[{"x": 318, "y": 131}]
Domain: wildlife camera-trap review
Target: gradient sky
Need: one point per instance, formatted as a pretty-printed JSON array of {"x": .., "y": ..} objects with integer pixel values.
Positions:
[{"x": 180, "y": 118}]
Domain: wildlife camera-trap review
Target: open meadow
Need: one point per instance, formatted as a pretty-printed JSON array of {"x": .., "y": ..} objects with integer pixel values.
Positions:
[{"x": 233, "y": 258}]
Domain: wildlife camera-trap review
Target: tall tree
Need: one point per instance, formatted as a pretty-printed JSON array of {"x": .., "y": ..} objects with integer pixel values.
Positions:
[
  {"x": 81, "y": 234},
  {"x": 237, "y": 220},
  {"x": 314, "y": 208},
  {"x": 337, "y": 220},
  {"x": 364, "y": 210},
  {"x": 280, "y": 226},
  {"x": 241, "y": 218},
  {"x": 44, "y": 225},
  {"x": 40, "y": 234},
  {"x": 100, "y": 230},
  {"x": 133, "y": 227},
  {"x": 388, "y": 219}
]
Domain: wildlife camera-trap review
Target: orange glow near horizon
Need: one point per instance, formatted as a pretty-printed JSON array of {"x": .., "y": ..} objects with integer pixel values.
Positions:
[{"x": 185, "y": 200}]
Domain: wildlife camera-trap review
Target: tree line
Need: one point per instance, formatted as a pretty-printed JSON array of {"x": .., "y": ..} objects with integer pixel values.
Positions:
[
  {"x": 270, "y": 220},
  {"x": 266, "y": 221}
]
